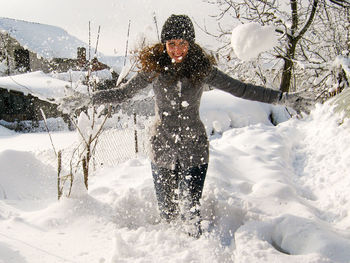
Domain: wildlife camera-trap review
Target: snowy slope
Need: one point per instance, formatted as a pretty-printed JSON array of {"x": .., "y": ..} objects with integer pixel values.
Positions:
[
  {"x": 51, "y": 41},
  {"x": 45, "y": 40}
]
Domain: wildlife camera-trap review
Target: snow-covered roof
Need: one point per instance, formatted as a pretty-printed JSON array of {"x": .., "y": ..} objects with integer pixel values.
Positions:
[
  {"x": 45, "y": 40},
  {"x": 37, "y": 84}
]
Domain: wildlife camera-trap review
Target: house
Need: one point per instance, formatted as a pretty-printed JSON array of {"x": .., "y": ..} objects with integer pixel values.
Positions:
[
  {"x": 15, "y": 107},
  {"x": 27, "y": 46},
  {"x": 31, "y": 47},
  {"x": 23, "y": 97}
]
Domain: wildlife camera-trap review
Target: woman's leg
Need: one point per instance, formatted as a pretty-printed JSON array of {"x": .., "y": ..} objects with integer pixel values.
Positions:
[
  {"x": 166, "y": 185},
  {"x": 191, "y": 183}
]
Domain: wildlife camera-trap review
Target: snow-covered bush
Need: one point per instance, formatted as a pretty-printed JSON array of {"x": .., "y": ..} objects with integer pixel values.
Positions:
[{"x": 89, "y": 125}]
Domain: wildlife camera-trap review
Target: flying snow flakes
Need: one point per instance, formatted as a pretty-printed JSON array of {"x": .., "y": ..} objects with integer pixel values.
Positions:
[{"x": 185, "y": 104}]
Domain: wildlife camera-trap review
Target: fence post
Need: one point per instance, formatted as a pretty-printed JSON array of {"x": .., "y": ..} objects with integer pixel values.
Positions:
[
  {"x": 135, "y": 133},
  {"x": 59, "y": 168}
]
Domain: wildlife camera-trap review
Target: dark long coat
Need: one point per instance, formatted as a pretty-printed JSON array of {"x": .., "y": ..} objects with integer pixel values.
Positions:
[{"x": 178, "y": 134}]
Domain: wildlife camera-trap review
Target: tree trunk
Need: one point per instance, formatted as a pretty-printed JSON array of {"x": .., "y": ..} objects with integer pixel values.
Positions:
[
  {"x": 288, "y": 67},
  {"x": 348, "y": 27},
  {"x": 293, "y": 39}
]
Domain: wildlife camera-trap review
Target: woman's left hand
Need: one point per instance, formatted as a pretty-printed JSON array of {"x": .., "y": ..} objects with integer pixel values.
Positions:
[{"x": 301, "y": 101}]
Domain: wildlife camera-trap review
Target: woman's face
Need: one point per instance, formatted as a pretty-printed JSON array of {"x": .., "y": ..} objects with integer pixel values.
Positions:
[{"x": 177, "y": 49}]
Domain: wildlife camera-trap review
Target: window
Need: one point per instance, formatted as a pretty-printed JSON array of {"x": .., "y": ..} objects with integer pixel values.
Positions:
[{"x": 22, "y": 62}]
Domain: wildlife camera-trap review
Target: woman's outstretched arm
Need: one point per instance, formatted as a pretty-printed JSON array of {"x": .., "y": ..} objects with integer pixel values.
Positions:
[
  {"x": 125, "y": 91},
  {"x": 237, "y": 88}
]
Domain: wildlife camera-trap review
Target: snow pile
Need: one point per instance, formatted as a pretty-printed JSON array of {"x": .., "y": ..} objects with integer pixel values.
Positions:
[
  {"x": 22, "y": 176},
  {"x": 233, "y": 112},
  {"x": 35, "y": 142},
  {"x": 321, "y": 163},
  {"x": 272, "y": 194},
  {"x": 249, "y": 40},
  {"x": 5, "y": 132}
]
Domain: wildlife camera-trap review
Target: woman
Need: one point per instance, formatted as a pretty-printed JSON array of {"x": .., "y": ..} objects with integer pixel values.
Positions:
[{"x": 178, "y": 68}]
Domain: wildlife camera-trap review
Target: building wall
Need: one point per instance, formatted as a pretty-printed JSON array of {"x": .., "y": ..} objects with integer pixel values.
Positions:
[
  {"x": 15, "y": 106},
  {"x": 8, "y": 47}
]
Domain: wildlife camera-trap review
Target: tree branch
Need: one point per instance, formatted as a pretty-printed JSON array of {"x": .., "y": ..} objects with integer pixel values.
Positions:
[
  {"x": 295, "y": 20},
  {"x": 342, "y": 3},
  {"x": 309, "y": 21}
]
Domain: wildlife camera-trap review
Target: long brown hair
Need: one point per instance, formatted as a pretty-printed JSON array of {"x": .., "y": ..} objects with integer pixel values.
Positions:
[
  {"x": 150, "y": 58},
  {"x": 195, "y": 66}
]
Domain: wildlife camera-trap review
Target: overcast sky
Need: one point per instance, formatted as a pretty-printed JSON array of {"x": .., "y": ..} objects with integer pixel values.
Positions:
[{"x": 112, "y": 15}]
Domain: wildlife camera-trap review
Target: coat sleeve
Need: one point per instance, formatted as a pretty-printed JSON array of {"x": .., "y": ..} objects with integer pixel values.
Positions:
[
  {"x": 224, "y": 82},
  {"x": 126, "y": 91}
]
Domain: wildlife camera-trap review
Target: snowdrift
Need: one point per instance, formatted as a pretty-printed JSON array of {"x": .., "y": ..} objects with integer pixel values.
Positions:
[
  {"x": 5, "y": 132},
  {"x": 22, "y": 176},
  {"x": 272, "y": 194}
]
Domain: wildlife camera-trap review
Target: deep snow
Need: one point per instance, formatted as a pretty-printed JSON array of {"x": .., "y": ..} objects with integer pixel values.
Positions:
[{"x": 272, "y": 194}]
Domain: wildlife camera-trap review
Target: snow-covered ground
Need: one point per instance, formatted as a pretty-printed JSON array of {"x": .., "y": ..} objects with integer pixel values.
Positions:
[{"x": 272, "y": 194}]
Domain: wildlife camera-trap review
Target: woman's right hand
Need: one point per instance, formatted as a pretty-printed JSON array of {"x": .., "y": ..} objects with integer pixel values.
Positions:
[{"x": 72, "y": 102}]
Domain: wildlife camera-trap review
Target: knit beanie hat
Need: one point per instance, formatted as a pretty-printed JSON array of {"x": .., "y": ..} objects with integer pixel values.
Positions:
[{"x": 178, "y": 27}]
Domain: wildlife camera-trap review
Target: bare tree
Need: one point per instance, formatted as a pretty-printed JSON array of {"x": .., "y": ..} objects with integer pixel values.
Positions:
[
  {"x": 307, "y": 42},
  {"x": 89, "y": 123}
]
